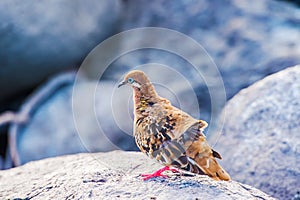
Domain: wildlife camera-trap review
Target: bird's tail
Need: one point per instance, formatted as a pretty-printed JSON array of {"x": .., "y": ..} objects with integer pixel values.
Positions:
[
  {"x": 203, "y": 159},
  {"x": 211, "y": 167}
]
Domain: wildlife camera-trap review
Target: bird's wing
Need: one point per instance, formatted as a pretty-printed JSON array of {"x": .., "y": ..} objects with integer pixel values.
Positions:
[
  {"x": 154, "y": 136},
  {"x": 165, "y": 137}
]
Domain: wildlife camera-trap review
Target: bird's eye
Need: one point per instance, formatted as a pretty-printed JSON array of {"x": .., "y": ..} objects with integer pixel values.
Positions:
[{"x": 130, "y": 80}]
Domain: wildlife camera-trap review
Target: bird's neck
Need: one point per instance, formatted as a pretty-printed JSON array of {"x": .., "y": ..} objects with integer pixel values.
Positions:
[{"x": 144, "y": 98}]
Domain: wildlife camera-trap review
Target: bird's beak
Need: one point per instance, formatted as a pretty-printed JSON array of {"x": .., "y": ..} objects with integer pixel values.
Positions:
[{"x": 121, "y": 83}]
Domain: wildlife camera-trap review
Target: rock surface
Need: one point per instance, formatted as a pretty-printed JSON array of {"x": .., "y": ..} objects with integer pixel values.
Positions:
[
  {"x": 113, "y": 175},
  {"x": 260, "y": 144}
]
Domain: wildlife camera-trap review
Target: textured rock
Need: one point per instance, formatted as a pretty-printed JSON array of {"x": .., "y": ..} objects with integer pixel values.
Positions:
[
  {"x": 260, "y": 143},
  {"x": 39, "y": 39},
  {"x": 113, "y": 175}
]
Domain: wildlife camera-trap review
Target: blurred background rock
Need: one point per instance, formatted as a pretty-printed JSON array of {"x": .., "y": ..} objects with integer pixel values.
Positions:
[
  {"x": 41, "y": 39},
  {"x": 262, "y": 124},
  {"x": 247, "y": 40}
]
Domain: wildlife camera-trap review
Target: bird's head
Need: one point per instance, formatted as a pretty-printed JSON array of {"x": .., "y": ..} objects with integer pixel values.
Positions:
[{"x": 136, "y": 79}]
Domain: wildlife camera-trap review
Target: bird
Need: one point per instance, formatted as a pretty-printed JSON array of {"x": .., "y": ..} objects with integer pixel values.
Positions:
[{"x": 169, "y": 135}]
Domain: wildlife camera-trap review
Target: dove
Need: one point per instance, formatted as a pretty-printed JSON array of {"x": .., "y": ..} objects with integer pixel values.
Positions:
[{"x": 169, "y": 135}]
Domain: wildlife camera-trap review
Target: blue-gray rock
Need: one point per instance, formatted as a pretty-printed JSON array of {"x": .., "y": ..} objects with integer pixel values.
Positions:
[
  {"x": 260, "y": 143},
  {"x": 247, "y": 40},
  {"x": 38, "y": 39}
]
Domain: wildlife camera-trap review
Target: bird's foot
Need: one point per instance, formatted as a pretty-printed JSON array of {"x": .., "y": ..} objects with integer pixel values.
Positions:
[{"x": 158, "y": 173}]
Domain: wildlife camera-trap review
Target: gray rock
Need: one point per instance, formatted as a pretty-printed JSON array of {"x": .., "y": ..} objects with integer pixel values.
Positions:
[
  {"x": 113, "y": 175},
  {"x": 247, "y": 40},
  {"x": 38, "y": 39},
  {"x": 260, "y": 143}
]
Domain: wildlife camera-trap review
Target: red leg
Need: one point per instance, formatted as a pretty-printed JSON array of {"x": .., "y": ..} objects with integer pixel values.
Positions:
[{"x": 158, "y": 173}]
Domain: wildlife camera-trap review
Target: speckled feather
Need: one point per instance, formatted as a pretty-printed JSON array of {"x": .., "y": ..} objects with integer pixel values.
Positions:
[{"x": 168, "y": 134}]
